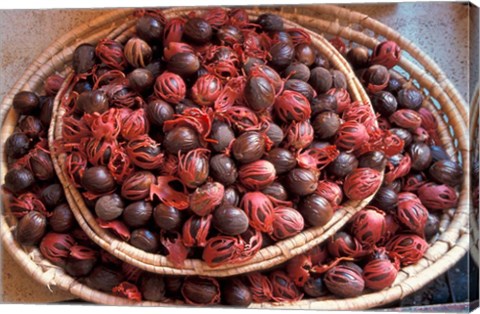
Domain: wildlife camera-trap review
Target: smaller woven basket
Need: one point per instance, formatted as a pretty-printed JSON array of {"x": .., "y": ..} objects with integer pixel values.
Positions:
[
  {"x": 267, "y": 257},
  {"x": 475, "y": 152}
]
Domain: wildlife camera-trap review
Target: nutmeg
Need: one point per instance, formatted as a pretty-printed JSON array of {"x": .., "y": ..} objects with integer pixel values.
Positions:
[
  {"x": 223, "y": 169},
  {"x": 230, "y": 220},
  {"x": 109, "y": 207},
  {"x": 167, "y": 217},
  {"x": 152, "y": 287},
  {"x": 447, "y": 172},
  {"x": 301, "y": 181},
  {"x": 98, "y": 180},
  {"x": 248, "y": 147},
  {"x": 282, "y": 159},
  {"x": 144, "y": 240},
  {"x": 18, "y": 180},
  {"x": 236, "y": 293},
  {"x": 201, "y": 290},
  {"x": 137, "y": 214},
  {"x": 62, "y": 219},
  {"x": 31, "y": 228},
  {"x": 316, "y": 210}
]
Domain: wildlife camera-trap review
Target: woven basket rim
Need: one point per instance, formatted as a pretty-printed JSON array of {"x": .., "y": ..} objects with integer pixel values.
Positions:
[
  {"x": 267, "y": 257},
  {"x": 455, "y": 251}
]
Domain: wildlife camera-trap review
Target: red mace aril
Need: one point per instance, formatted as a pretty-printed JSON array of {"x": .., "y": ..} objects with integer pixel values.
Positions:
[
  {"x": 26, "y": 202},
  {"x": 221, "y": 250},
  {"x": 283, "y": 288},
  {"x": 368, "y": 226},
  {"x": 361, "y": 183},
  {"x": 170, "y": 191},
  {"x": 55, "y": 247},
  {"x": 270, "y": 74},
  {"x": 260, "y": 287},
  {"x": 430, "y": 124},
  {"x": 144, "y": 152},
  {"x": 437, "y": 196},
  {"x": 406, "y": 118},
  {"x": 408, "y": 196},
  {"x": 343, "y": 98},
  {"x": 127, "y": 290},
  {"x": 195, "y": 231},
  {"x": 104, "y": 126},
  {"x": 206, "y": 90},
  {"x": 391, "y": 229},
  {"x": 257, "y": 175},
  {"x": 402, "y": 169},
  {"x": 344, "y": 281},
  {"x": 193, "y": 167},
  {"x": 135, "y": 125},
  {"x": 316, "y": 159},
  {"x": 331, "y": 191},
  {"x": 177, "y": 252},
  {"x": 287, "y": 222},
  {"x": 170, "y": 87},
  {"x": 351, "y": 136},
  {"x": 299, "y": 135},
  {"x": 259, "y": 210},
  {"x": 117, "y": 227},
  {"x": 74, "y": 130},
  {"x": 299, "y": 36},
  {"x": 413, "y": 182},
  {"x": 216, "y": 17},
  {"x": 380, "y": 273},
  {"x": 413, "y": 215},
  {"x": 173, "y": 30},
  {"x": 120, "y": 165},
  {"x": 110, "y": 52},
  {"x": 75, "y": 165},
  {"x": 343, "y": 244},
  {"x": 242, "y": 118},
  {"x": 99, "y": 151},
  {"x": 408, "y": 248},
  {"x": 206, "y": 198},
  {"x": 386, "y": 53},
  {"x": 252, "y": 241},
  {"x": 298, "y": 269},
  {"x": 173, "y": 48},
  {"x": 362, "y": 113},
  {"x": 292, "y": 106}
]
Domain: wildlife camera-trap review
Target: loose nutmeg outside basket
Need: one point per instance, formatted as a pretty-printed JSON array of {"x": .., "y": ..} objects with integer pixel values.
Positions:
[{"x": 267, "y": 257}]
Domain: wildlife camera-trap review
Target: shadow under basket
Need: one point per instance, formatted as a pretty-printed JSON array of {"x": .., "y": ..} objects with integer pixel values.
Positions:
[{"x": 449, "y": 110}]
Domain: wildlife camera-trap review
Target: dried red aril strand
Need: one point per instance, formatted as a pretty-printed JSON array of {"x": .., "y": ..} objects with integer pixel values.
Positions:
[
  {"x": 251, "y": 241},
  {"x": 195, "y": 231},
  {"x": 106, "y": 125},
  {"x": 408, "y": 248},
  {"x": 351, "y": 136},
  {"x": 82, "y": 252},
  {"x": 177, "y": 251},
  {"x": 259, "y": 210},
  {"x": 344, "y": 282},
  {"x": 74, "y": 130},
  {"x": 283, "y": 288},
  {"x": 206, "y": 198},
  {"x": 134, "y": 125},
  {"x": 368, "y": 226},
  {"x": 144, "y": 152},
  {"x": 55, "y": 247},
  {"x": 287, "y": 222},
  {"x": 318, "y": 254},
  {"x": 343, "y": 244},
  {"x": 121, "y": 95},
  {"x": 406, "y": 118},
  {"x": 173, "y": 48},
  {"x": 170, "y": 87},
  {"x": 232, "y": 91},
  {"x": 257, "y": 175},
  {"x": 380, "y": 273},
  {"x": 194, "y": 118},
  {"x": 317, "y": 158},
  {"x": 413, "y": 182},
  {"x": 362, "y": 113},
  {"x": 437, "y": 197},
  {"x": 298, "y": 269},
  {"x": 243, "y": 118},
  {"x": 386, "y": 53},
  {"x": 260, "y": 287},
  {"x": 193, "y": 167},
  {"x": 99, "y": 150},
  {"x": 116, "y": 226},
  {"x": 331, "y": 191},
  {"x": 299, "y": 36},
  {"x": 26, "y": 202},
  {"x": 120, "y": 165},
  {"x": 292, "y": 106},
  {"x": 361, "y": 183},
  {"x": 206, "y": 90},
  {"x": 111, "y": 54},
  {"x": 429, "y": 123},
  {"x": 75, "y": 165},
  {"x": 127, "y": 290},
  {"x": 413, "y": 215},
  {"x": 221, "y": 250},
  {"x": 399, "y": 171},
  {"x": 173, "y": 30},
  {"x": 137, "y": 186},
  {"x": 170, "y": 191},
  {"x": 299, "y": 135}
]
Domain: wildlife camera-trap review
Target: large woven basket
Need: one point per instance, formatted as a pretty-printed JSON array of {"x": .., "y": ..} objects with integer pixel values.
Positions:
[
  {"x": 475, "y": 151},
  {"x": 450, "y": 246},
  {"x": 267, "y": 257}
]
